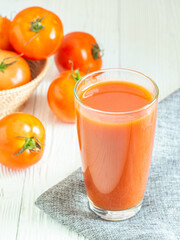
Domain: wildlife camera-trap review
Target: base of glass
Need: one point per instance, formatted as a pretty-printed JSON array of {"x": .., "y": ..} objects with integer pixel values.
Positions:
[{"x": 115, "y": 215}]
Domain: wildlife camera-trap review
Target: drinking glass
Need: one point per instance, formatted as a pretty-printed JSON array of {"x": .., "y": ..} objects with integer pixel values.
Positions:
[{"x": 116, "y": 147}]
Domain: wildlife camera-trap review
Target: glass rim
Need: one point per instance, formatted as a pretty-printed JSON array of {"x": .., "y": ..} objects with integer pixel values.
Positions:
[{"x": 114, "y": 70}]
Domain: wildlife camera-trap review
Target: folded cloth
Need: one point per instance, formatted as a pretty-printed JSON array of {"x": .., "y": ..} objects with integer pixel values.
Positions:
[{"x": 159, "y": 217}]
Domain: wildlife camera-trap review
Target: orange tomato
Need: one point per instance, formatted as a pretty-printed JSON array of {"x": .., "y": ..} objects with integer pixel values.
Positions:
[
  {"x": 4, "y": 33},
  {"x": 80, "y": 48},
  {"x": 36, "y": 32},
  {"x": 14, "y": 70},
  {"x": 22, "y": 138},
  {"x": 61, "y": 95}
]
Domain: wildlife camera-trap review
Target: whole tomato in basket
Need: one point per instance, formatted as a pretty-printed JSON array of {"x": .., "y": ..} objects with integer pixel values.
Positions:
[
  {"x": 4, "y": 33},
  {"x": 14, "y": 70},
  {"x": 61, "y": 95},
  {"x": 22, "y": 138},
  {"x": 36, "y": 32},
  {"x": 80, "y": 48}
]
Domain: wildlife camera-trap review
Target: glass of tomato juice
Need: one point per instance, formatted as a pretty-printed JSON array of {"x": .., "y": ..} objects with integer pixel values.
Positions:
[{"x": 116, "y": 117}]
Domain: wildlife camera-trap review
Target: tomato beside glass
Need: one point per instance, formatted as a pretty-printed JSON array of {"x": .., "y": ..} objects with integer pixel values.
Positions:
[
  {"x": 81, "y": 49},
  {"x": 22, "y": 139},
  {"x": 36, "y": 32},
  {"x": 60, "y": 95}
]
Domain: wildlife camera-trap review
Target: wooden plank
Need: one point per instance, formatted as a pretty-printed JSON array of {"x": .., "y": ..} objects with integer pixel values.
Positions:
[
  {"x": 11, "y": 189},
  {"x": 150, "y": 40}
]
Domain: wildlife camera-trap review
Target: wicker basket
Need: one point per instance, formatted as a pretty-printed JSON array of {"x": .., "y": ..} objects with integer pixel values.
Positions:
[{"x": 11, "y": 100}]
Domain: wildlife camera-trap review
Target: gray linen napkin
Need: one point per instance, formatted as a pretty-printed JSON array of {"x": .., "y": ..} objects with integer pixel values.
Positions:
[{"x": 159, "y": 217}]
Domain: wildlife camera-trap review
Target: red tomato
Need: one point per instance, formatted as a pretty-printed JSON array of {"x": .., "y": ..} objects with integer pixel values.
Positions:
[
  {"x": 61, "y": 95},
  {"x": 4, "y": 33},
  {"x": 36, "y": 32},
  {"x": 22, "y": 138},
  {"x": 14, "y": 70},
  {"x": 80, "y": 48}
]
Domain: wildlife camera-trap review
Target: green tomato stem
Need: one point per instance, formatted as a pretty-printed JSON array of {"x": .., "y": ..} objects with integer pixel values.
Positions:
[
  {"x": 77, "y": 75},
  {"x": 97, "y": 52},
  {"x": 3, "y": 65},
  {"x": 36, "y": 25},
  {"x": 33, "y": 144}
]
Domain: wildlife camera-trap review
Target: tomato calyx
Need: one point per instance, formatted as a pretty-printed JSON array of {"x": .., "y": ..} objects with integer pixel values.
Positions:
[
  {"x": 4, "y": 65},
  {"x": 97, "y": 52},
  {"x": 32, "y": 144},
  {"x": 36, "y": 24},
  {"x": 77, "y": 75}
]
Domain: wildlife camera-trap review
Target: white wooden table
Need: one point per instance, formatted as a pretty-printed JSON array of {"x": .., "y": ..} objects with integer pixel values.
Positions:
[{"x": 139, "y": 34}]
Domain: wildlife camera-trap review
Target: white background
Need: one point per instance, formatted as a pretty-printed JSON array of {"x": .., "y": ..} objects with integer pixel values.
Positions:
[{"x": 139, "y": 34}]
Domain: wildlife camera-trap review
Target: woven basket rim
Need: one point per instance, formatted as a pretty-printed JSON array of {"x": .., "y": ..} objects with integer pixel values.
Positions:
[{"x": 38, "y": 78}]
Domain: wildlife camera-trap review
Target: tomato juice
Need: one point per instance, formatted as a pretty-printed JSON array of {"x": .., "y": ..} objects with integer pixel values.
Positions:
[{"x": 116, "y": 133}]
